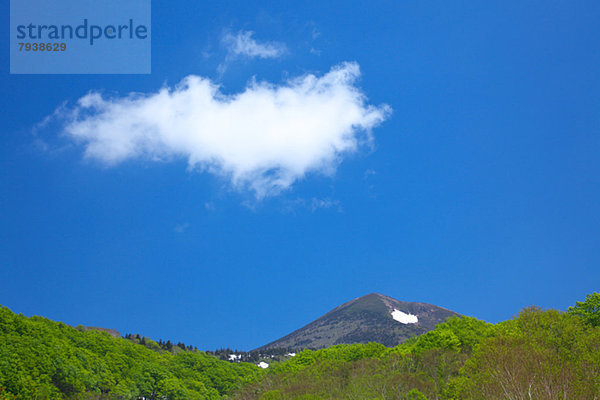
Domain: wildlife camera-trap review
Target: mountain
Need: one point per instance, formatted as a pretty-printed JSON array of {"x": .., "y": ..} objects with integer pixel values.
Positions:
[{"x": 371, "y": 318}]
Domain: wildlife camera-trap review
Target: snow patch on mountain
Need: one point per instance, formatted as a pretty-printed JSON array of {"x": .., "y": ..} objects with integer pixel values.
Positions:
[
  {"x": 403, "y": 317},
  {"x": 263, "y": 365}
]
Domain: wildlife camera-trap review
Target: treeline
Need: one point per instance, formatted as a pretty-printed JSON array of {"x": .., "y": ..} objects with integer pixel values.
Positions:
[
  {"x": 254, "y": 356},
  {"x": 42, "y": 359},
  {"x": 541, "y": 355},
  {"x": 160, "y": 345}
]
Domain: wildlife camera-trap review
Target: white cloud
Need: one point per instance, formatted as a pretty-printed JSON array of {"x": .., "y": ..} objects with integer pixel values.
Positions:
[
  {"x": 263, "y": 138},
  {"x": 242, "y": 44},
  {"x": 325, "y": 203},
  {"x": 369, "y": 172},
  {"x": 180, "y": 228},
  {"x": 314, "y": 204}
]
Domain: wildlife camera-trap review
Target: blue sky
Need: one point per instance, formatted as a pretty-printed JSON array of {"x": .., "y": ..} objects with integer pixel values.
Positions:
[{"x": 477, "y": 188}]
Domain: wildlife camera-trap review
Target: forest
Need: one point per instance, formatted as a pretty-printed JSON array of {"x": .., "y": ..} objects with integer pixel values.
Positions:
[
  {"x": 538, "y": 354},
  {"x": 42, "y": 359}
]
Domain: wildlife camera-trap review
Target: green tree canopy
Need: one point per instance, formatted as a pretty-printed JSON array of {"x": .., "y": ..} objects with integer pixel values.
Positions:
[{"x": 589, "y": 309}]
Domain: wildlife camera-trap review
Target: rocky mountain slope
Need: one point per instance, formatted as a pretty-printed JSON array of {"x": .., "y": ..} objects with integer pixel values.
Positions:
[{"x": 371, "y": 318}]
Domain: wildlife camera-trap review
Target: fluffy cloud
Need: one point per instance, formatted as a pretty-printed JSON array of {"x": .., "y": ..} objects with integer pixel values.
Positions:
[
  {"x": 242, "y": 44},
  {"x": 263, "y": 138}
]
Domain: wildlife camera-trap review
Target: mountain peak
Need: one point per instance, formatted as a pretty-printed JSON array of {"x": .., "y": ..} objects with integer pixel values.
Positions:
[{"x": 370, "y": 318}]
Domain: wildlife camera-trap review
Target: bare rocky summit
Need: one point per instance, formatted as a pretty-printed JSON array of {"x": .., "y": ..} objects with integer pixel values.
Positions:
[{"x": 371, "y": 318}]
